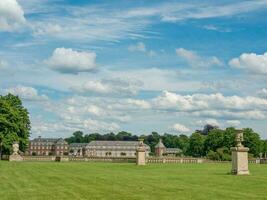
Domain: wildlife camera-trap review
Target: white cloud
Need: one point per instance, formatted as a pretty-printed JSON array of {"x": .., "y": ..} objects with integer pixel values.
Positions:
[
  {"x": 40, "y": 29},
  {"x": 262, "y": 93},
  {"x": 26, "y": 93},
  {"x": 180, "y": 128},
  {"x": 3, "y": 65},
  {"x": 233, "y": 123},
  {"x": 209, "y": 121},
  {"x": 71, "y": 61},
  {"x": 212, "y": 105},
  {"x": 116, "y": 87},
  {"x": 203, "y": 11},
  {"x": 251, "y": 62},
  {"x": 197, "y": 61},
  {"x": 93, "y": 125},
  {"x": 11, "y": 15},
  {"x": 140, "y": 46}
]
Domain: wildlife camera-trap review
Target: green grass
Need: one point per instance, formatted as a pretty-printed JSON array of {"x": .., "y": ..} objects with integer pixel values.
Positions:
[{"x": 51, "y": 180}]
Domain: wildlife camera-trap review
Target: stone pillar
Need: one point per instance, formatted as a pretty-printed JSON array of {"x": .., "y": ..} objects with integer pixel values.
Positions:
[
  {"x": 15, "y": 154},
  {"x": 239, "y": 156},
  {"x": 141, "y": 153}
]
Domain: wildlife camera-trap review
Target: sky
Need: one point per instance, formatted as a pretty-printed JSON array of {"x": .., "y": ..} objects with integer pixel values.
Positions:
[{"x": 137, "y": 66}]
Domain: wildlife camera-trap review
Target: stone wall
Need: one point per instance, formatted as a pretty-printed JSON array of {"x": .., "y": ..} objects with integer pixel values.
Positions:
[
  {"x": 173, "y": 160},
  {"x": 103, "y": 159}
]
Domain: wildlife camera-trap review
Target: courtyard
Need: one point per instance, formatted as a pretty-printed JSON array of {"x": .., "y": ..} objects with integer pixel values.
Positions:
[{"x": 77, "y": 180}]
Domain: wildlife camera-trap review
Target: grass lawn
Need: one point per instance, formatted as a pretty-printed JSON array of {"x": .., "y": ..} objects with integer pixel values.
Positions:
[{"x": 74, "y": 180}]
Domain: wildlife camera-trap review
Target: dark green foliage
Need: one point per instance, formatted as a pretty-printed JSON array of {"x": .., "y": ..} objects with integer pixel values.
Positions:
[
  {"x": 196, "y": 145},
  {"x": 215, "y": 145},
  {"x": 222, "y": 154},
  {"x": 14, "y": 123},
  {"x": 252, "y": 141}
]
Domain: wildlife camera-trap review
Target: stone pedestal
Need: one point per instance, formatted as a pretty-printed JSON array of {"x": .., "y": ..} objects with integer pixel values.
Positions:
[
  {"x": 15, "y": 158},
  {"x": 240, "y": 160},
  {"x": 141, "y": 154}
]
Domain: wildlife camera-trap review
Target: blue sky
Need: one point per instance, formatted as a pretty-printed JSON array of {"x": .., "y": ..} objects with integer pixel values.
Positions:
[{"x": 139, "y": 66}]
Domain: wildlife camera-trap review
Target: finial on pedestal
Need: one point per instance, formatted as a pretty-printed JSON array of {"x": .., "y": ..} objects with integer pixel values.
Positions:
[{"x": 239, "y": 138}]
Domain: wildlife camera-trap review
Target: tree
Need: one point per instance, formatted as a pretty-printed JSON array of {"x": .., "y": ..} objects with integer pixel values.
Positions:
[
  {"x": 214, "y": 140},
  {"x": 196, "y": 145},
  {"x": 14, "y": 123},
  {"x": 252, "y": 141}
]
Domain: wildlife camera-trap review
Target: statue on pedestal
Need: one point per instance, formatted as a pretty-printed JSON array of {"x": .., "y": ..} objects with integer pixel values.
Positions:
[
  {"x": 15, "y": 153},
  {"x": 15, "y": 147},
  {"x": 239, "y": 156}
]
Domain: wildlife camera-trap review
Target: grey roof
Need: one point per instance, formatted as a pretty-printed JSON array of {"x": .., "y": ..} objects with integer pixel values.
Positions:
[
  {"x": 77, "y": 144},
  {"x": 49, "y": 140},
  {"x": 114, "y": 144},
  {"x": 160, "y": 144}
]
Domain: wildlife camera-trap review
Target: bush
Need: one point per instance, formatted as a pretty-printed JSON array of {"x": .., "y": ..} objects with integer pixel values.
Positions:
[
  {"x": 34, "y": 154},
  {"x": 65, "y": 153},
  {"x": 222, "y": 154},
  {"x": 50, "y": 153}
]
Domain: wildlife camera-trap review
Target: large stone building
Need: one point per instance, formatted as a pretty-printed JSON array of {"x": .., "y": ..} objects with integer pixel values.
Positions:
[
  {"x": 77, "y": 149},
  {"x": 106, "y": 149},
  {"x": 48, "y": 146},
  {"x": 161, "y": 150},
  {"x": 58, "y": 146},
  {"x": 113, "y": 148}
]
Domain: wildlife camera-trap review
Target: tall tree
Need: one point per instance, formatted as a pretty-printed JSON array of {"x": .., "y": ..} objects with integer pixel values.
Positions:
[
  {"x": 196, "y": 145},
  {"x": 14, "y": 123},
  {"x": 252, "y": 141}
]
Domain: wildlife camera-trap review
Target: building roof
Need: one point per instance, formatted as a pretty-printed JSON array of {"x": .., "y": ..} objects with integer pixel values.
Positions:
[
  {"x": 115, "y": 144},
  {"x": 160, "y": 144},
  {"x": 53, "y": 140},
  {"x": 78, "y": 144}
]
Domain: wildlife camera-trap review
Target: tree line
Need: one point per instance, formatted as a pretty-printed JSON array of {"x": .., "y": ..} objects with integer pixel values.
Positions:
[{"x": 214, "y": 144}]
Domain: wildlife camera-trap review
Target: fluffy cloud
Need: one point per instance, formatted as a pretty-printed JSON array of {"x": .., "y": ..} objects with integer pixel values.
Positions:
[
  {"x": 71, "y": 61},
  {"x": 116, "y": 87},
  {"x": 26, "y": 93},
  {"x": 196, "y": 60},
  {"x": 262, "y": 93},
  {"x": 212, "y": 105},
  {"x": 251, "y": 62},
  {"x": 180, "y": 128},
  {"x": 209, "y": 121},
  {"x": 11, "y": 15},
  {"x": 141, "y": 47},
  {"x": 93, "y": 125},
  {"x": 233, "y": 123}
]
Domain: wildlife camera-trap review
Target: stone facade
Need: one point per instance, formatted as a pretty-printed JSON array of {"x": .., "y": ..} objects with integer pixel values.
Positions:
[
  {"x": 77, "y": 149},
  {"x": 239, "y": 156},
  {"x": 113, "y": 148},
  {"x": 161, "y": 150},
  {"x": 48, "y": 146}
]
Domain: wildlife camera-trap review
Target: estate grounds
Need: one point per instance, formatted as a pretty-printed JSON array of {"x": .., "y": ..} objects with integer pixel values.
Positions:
[{"x": 77, "y": 180}]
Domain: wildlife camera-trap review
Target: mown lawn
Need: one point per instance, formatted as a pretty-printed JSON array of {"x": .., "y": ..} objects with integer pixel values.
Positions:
[{"x": 51, "y": 180}]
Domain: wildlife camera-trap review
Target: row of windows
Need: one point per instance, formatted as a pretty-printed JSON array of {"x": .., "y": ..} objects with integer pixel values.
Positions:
[
  {"x": 48, "y": 147},
  {"x": 45, "y": 144},
  {"x": 112, "y": 147}
]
